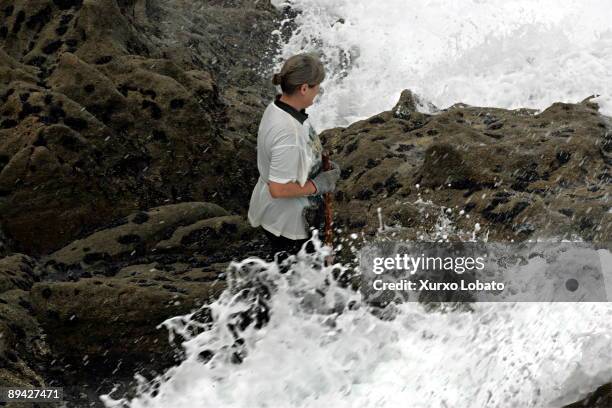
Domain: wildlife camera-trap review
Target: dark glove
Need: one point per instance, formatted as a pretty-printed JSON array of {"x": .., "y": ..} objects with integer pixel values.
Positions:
[{"x": 325, "y": 181}]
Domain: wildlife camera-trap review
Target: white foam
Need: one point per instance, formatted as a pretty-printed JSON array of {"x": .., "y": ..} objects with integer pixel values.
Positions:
[
  {"x": 307, "y": 355},
  {"x": 506, "y": 54}
]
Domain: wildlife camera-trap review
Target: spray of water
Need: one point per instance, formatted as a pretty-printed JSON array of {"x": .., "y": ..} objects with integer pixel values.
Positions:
[
  {"x": 514, "y": 54},
  {"x": 301, "y": 339}
]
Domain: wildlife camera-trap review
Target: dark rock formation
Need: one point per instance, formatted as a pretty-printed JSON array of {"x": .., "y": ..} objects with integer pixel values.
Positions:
[
  {"x": 600, "y": 398},
  {"x": 112, "y": 319},
  {"x": 107, "y": 107},
  {"x": 5, "y": 245},
  {"x": 116, "y": 117},
  {"x": 182, "y": 229},
  {"x": 89, "y": 312},
  {"x": 517, "y": 173},
  {"x": 23, "y": 348}
]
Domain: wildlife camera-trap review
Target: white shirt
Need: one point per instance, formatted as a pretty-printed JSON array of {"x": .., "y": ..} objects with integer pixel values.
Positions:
[{"x": 288, "y": 150}]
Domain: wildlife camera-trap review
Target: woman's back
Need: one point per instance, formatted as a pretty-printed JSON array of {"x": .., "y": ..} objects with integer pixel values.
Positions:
[
  {"x": 289, "y": 154},
  {"x": 283, "y": 155}
]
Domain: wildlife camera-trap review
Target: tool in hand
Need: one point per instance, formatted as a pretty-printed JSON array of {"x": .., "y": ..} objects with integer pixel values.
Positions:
[{"x": 327, "y": 202}]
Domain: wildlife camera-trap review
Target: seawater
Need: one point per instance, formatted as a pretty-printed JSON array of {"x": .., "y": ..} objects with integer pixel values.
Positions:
[
  {"x": 505, "y": 54},
  {"x": 310, "y": 342}
]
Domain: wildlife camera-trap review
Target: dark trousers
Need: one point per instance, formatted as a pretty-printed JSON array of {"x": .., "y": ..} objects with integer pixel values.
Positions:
[{"x": 284, "y": 246}]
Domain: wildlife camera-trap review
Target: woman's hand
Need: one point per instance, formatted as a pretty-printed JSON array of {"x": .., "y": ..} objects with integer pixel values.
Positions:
[{"x": 325, "y": 182}]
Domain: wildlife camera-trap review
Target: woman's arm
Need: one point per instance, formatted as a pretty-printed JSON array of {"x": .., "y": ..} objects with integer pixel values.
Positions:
[{"x": 292, "y": 189}]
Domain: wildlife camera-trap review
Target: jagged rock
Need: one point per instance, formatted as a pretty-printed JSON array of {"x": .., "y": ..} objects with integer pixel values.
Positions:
[
  {"x": 517, "y": 173},
  {"x": 17, "y": 272},
  {"x": 5, "y": 245},
  {"x": 600, "y": 398},
  {"x": 408, "y": 103},
  {"x": 22, "y": 344},
  {"x": 11, "y": 70},
  {"x": 23, "y": 348},
  {"x": 108, "y": 319},
  {"x": 177, "y": 271},
  {"x": 208, "y": 235},
  {"x": 96, "y": 122},
  {"x": 133, "y": 236},
  {"x": 446, "y": 165}
]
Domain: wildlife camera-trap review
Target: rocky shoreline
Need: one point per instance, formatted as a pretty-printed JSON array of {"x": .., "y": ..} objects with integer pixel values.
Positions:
[{"x": 128, "y": 154}]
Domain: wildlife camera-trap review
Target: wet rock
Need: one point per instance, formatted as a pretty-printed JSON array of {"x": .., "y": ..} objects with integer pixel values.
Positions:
[
  {"x": 447, "y": 166},
  {"x": 410, "y": 102},
  {"x": 506, "y": 168},
  {"x": 140, "y": 233},
  {"x": 17, "y": 272},
  {"x": 23, "y": 348},
  {"x": 84, "y": 317},
  {"x": 123, "y": 106},
  {"x": 5, "y": 243},
  {"x": 209, "y": 235},
  {"x": 600, "y": 398}
]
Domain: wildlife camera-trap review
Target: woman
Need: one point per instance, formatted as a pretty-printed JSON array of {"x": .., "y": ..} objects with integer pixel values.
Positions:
[{"x": 286, "y": 201}]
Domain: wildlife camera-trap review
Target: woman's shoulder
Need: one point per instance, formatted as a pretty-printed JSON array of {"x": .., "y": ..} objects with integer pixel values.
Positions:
[{"x": 275, "y": 119}]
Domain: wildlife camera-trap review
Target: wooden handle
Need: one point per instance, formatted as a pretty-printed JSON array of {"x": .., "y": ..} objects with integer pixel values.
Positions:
[{"x": 327, "y": 197}]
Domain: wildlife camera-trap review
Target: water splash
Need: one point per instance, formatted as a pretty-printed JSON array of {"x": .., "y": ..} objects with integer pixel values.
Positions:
[
  {"x": 301, "y": 339},
  {"x": 495, "y": 53}
]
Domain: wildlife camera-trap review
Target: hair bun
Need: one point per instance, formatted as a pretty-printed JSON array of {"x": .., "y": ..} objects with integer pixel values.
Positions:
[{"x": 276, "y": 79}]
